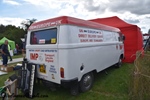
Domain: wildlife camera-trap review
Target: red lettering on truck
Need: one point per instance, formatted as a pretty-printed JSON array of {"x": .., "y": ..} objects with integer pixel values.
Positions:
[{"x": 33, "y": 56}]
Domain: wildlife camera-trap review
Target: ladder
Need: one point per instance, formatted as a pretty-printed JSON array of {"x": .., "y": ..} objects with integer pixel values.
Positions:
[{"x": 28, "y": 72}]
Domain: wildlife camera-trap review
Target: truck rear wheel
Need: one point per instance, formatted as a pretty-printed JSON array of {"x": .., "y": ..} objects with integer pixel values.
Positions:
[
  {"x": 118, "y": 65},
  {"x": 86, "y": 82}
]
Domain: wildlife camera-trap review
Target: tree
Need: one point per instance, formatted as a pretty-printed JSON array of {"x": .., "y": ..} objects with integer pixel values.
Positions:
[
  {"x": 12, "y": 32},
  {"x": 26, "y": 24},
  {"x": 2, "y": 28}
]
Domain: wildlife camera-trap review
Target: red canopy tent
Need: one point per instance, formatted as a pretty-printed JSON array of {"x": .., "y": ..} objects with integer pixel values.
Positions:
[{"x": 133, "y": 36}]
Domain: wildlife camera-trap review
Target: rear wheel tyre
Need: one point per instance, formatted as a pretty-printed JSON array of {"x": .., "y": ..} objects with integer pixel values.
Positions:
[
  {"x": 86, "y": 82},
  {"x": 118, "y": 65}
]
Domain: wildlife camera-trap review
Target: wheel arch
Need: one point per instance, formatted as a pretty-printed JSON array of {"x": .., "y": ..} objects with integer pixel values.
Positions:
[
  {"x": 122, "y": 56},
  {"x": 94, "y": 72}
]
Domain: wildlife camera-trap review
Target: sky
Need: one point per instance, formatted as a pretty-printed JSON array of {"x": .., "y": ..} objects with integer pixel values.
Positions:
[{"x": 132, "y": 11}]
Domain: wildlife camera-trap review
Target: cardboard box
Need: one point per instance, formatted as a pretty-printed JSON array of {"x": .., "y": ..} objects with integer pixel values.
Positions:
[
  {"x": 6, "y": 69},
  {"x": 1, "y": 68}
]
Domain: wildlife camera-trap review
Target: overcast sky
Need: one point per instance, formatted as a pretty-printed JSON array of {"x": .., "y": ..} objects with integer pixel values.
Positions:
[{"x": 132, "y": 11}]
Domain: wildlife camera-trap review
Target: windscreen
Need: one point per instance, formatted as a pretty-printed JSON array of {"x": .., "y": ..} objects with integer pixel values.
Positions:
[{"x": 48, "y": 36}]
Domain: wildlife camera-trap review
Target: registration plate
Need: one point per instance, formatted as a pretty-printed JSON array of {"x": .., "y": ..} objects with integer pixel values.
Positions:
[{"x": 42, "y": 69}]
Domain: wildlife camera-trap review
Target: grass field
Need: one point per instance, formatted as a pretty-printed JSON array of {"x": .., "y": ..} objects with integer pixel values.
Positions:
[
  {"x": 15, "y": 56},
  {"x": 111, "y": 84}
]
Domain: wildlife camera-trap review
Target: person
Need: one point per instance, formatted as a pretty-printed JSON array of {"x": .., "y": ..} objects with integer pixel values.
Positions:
[
  {"x": 9, "y": 52},
  {"x": 17, "y": 48},
  {"x": 24, "y": 46},
  {"x": 5, "y": 53}
]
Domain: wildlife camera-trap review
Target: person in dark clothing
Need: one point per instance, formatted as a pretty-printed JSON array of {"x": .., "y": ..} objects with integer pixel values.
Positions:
[
  {"x": 9, "y": 52},
  {"x": 5, "y": 53}
]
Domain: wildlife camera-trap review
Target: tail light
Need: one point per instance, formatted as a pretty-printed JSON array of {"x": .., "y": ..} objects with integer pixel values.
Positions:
[
  {"x": 61, "y": 72},
  {"x": 121, "y": 47}
]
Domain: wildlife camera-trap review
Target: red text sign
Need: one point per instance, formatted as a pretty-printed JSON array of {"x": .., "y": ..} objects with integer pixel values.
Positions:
[{"x": 33, "y": 56}]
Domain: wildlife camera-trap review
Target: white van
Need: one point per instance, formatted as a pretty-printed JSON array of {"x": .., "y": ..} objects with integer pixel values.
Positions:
[{"x": 67, "y": 51}]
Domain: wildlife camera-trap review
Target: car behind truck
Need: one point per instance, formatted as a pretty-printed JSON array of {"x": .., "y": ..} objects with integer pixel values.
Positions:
[{"x": 68, "y": 51}]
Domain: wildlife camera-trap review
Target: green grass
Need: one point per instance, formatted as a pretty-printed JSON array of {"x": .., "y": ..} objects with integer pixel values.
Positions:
[
  {"x": 17, "y": 56},
  {"x": 111, "y": 86},
  {"x": 4, "y": 77}
]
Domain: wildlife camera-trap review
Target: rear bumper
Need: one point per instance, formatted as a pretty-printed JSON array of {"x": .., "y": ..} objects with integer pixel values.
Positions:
[
  {"x": 65, "y": 83},
  {"x": 69, "y": 83}
]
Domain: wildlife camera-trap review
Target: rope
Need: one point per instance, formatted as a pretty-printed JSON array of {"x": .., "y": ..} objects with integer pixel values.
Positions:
[{"x": 145, "y": 75}]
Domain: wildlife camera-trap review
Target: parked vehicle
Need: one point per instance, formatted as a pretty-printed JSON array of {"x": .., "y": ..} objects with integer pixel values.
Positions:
[{"x": 68, "y": 51}]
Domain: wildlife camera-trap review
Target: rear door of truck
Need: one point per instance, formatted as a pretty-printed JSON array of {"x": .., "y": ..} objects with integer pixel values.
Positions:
[{"x": 42, "y": 50}]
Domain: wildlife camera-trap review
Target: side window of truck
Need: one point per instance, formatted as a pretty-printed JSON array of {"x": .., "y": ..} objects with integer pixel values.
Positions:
[
  {"x": 48, "y": 36},
  {"x": 120, "y": 37}
]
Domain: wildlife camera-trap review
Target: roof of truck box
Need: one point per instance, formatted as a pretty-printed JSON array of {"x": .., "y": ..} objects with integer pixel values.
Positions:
[{"x": 71, "y": 21}]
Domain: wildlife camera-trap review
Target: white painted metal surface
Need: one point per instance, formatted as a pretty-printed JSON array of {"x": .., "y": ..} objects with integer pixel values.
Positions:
[{"x": 74, "y": 47}]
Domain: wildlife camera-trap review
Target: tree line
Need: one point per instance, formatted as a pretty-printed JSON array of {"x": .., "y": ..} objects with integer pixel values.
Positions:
[{"x": 16, "y": 33}]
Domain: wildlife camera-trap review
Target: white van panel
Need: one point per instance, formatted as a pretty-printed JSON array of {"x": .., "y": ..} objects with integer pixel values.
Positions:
[
  {"x": 76, "y": 46},
  {"x": 73, "y": 53}
]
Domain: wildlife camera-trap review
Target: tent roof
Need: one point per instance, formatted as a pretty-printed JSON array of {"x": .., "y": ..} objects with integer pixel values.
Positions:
[
  {"x": 12, "y": 43},
  {"x": 113, "y": 21},
  {"x": 4, "y": 38}
]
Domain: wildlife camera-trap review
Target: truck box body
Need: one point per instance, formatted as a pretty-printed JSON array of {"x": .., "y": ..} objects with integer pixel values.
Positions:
[{"x": 66, "y": 48}]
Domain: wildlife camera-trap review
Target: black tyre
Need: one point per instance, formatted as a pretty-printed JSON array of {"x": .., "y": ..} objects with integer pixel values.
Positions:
[
  {"x": 118, "y": 65},
  {"x": 86, "y": 82}
]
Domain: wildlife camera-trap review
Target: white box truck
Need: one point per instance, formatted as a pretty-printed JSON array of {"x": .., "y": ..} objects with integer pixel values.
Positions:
[{"x": 67, "y": 51}]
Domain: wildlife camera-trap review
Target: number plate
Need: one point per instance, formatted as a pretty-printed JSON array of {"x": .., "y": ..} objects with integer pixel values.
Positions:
[{"x": 42, "y": 69}]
